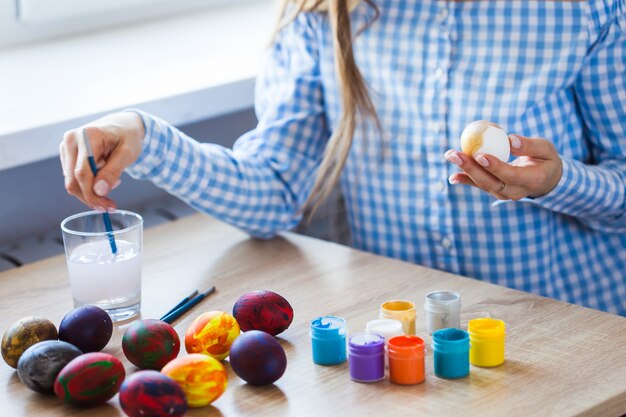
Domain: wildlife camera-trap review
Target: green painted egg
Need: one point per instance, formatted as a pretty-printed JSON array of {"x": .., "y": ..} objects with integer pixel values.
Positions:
[{"x": 90, "y": 379}]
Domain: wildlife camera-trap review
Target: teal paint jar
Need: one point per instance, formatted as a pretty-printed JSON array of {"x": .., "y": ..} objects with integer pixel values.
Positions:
[
  {"x": 328, "y": 340},
  {"x": 451, "y": 353}
]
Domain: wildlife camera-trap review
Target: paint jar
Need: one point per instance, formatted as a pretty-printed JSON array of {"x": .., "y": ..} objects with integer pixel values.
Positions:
[
  {"x": 366, "y": 357},
  {"x": 451, "y": 353},
  {"x": 406, "y": 360},
  {"x": 328, "y": 340},
  {"x": 387, "y": 328},
  {"x": 443, "y": 310},
  {"x": 404, "y": 311},
  {"x": 487, "y": 342}
]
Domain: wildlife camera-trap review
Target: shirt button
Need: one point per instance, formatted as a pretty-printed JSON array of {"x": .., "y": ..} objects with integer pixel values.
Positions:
[
  {"x": 438, "y": 127},
  {"x": 441, "y": 187},
  {"x": 440, "y": 73},
  {"x": 446, "y": 243},
  {"x": 443, "y": 14}
]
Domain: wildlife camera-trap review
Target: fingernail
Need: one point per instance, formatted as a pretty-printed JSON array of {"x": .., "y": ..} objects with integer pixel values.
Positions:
[
  {"x": 117, "y": 184},
  {"x": 110, "y": 209},
  {"x": 516, "y": 143},
  {"x": 101, "y": 188},
  {"x": 453, "y": 180},
  {"x": 482, "y": 160},
  {"x": 99, "y": 209},
  {"x": 454, "y": 158}
]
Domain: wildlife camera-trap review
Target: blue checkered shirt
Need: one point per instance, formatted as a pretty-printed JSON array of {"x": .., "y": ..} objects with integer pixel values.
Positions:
[{"x": 550, "y": 69}]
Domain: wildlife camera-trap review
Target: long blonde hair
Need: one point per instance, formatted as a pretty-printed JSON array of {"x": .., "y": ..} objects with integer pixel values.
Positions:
[{"x": 355, "y": 99}]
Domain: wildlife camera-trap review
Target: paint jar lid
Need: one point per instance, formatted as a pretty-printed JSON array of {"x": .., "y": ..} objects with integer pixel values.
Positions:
[
  {"x": 387, "y": 328},
  {"x": 397, "y": 306},
  {"x": 486, "y": 327},
  {"x": 450, "y": 341},
  {"x": 366, "y": 343},
  {"x": 442, "y": 301},
  {"x": 406, "y": 346},
  {"x": 328, "y": 327}
]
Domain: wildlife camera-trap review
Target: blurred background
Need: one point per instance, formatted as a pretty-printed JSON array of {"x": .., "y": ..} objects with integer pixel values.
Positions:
[{"x": 67, "y": 62}]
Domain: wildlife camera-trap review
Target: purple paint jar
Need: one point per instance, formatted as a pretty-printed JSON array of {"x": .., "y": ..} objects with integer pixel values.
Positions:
[{"x": 366, "y": 357}]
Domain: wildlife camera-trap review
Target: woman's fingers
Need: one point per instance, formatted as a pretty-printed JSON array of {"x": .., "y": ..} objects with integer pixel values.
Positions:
[
  {"x": 476, "y": 175},
  {"x": 115, "y": 141}
]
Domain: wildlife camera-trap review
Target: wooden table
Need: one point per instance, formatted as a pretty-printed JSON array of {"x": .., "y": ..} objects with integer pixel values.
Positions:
[{"x": 561, "y": 359}]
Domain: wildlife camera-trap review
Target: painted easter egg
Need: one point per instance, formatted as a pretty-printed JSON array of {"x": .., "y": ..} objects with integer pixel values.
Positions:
[
  {"x": 258, "y": 358},
  {"x": 212, "y": 333},
  {"x": 482, "y": 136},
  {"x": 87, "y": 327},
  {"x": 90, "y": 379},
  {"x": 152, "y": 394},
  {"x": 150, "y": 344},
  {"x": 23, "y": 334},
  {"x": 202, "y": 378},
  {"x": 263, "y": 310},
  {"x": 40, "y": 364}
]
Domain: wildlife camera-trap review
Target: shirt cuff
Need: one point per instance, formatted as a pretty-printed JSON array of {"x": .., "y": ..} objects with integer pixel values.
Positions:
[
  {"x": 563, "y": 191},
  {"x": 149, "y": 159},
  {"x": 583, "y": 191}
]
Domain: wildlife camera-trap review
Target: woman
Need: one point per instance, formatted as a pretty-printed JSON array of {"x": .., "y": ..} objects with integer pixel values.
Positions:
[{"x": 374, "y": 94}]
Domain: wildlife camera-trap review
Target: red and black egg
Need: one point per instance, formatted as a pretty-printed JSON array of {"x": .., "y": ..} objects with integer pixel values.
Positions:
[
  {"x": 263, "y": 310},
  {"x": 150, "y": 393},
  {"x": 90, "y": 379},
  {"x": 150, "y": 344}
]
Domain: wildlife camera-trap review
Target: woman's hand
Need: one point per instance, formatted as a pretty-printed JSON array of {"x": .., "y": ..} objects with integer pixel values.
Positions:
[
  {"x": 116, "y": 143},
  {"x": 535, "y": 172}
]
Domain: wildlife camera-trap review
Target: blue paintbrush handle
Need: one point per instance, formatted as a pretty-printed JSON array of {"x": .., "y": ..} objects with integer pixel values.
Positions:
[
  {"x": 181, "y": 303},
  {"x": 105, "y": 216},
  {"x": 170, "y": 317}
]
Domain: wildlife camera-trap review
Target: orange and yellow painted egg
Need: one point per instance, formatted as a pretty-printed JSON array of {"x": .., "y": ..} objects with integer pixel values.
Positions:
[
  {"x": 202, "y": 378},
  {"x": 212, "y": 333}
]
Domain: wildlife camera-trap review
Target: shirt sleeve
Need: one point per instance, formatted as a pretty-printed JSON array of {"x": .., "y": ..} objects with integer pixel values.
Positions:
[
  {"x": 261, "y": 184},
  {"x": 594, "y": 191}
]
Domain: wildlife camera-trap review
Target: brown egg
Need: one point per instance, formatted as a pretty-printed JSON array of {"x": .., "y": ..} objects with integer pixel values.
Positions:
[{"x": 23, "y": 334}]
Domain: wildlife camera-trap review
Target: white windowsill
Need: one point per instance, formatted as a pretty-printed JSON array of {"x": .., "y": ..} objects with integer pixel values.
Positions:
[{"x": 184, "y": 69}]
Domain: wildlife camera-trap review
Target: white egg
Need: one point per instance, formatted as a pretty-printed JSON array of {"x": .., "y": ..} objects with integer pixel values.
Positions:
[{"x": 482, "y": 136}]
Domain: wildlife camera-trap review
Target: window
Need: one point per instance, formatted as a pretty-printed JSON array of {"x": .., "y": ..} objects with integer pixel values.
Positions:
[{"x": 29, "y": 20}]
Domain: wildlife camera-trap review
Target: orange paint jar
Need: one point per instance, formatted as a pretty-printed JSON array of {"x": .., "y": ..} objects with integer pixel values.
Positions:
[{"x": 406, "y": 360}]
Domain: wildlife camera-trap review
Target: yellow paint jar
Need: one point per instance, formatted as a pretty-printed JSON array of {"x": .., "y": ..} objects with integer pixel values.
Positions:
[
  {"x": 486, "y": 342},
  {"x": 403, "y": 311}
]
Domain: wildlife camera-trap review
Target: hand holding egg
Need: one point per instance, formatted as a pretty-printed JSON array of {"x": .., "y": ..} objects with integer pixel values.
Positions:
[{"x": 535, "y": 172}]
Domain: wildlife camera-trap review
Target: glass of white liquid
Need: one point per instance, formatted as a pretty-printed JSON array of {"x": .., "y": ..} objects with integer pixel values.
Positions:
[{"x": 111, "y": 281}]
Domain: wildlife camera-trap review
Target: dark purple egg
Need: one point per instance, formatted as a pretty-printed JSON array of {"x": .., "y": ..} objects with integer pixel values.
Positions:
[
  {"x": 150, "y": 344},
  {"x": 88, "y": 327},
  {"x": 152, "y": 394},
  {"x": 257, "y": 358},
  {"x": 90, "y": 379},
  {"x": 263, "y": 310},
  {"x": 40, "y": 364}
]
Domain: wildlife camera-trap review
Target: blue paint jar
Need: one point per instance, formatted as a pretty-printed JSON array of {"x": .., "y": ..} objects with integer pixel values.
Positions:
[
  {"x": 451, "y": 353},
  {"x": 328, "y": 340},
  {"x": 367, "y": 357}
]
